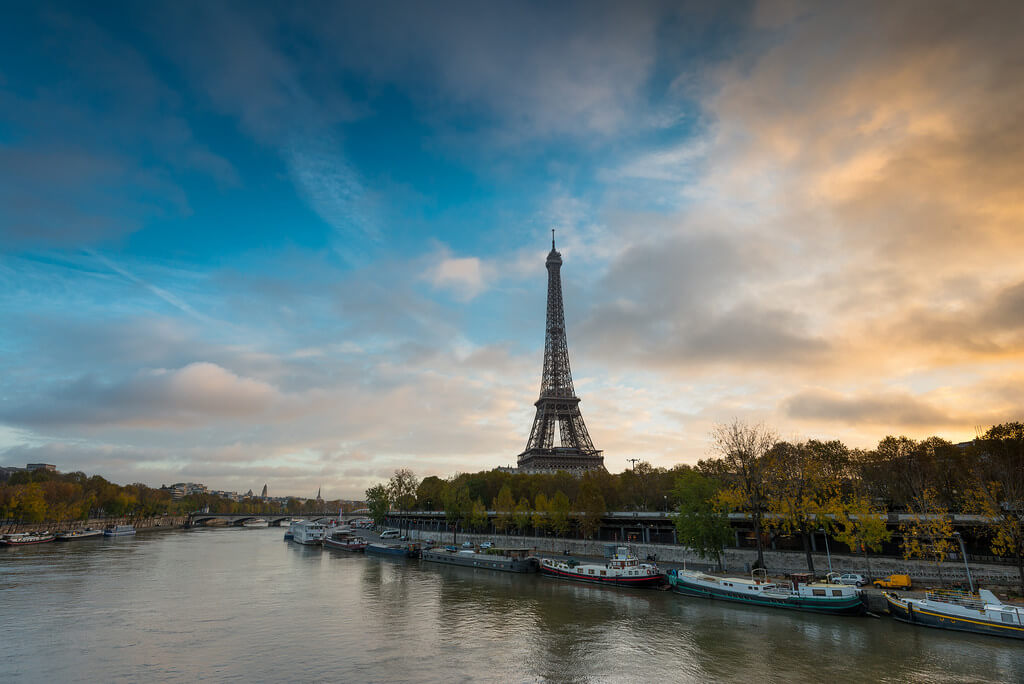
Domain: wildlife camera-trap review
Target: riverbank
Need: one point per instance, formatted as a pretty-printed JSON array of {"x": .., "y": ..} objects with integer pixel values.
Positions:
[
  {"x": 1000, "y": 578},
  {"x": 156, "y": 523}
]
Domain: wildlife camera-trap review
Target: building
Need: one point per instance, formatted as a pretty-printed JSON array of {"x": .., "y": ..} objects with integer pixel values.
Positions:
[{"x": 41, "y": 466}]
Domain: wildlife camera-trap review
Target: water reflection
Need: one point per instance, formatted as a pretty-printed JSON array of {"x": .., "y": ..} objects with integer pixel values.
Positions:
[{"x": 222, "y": 604}]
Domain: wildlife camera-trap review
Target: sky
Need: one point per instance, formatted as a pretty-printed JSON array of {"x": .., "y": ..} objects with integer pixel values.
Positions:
[{"x": 303, "y": 244}]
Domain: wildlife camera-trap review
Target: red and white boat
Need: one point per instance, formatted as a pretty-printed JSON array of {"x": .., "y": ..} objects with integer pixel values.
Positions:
[
  {"x": 24, "y": 539},
  {"x": 622, "y": 569},
  {"x": 345, "y": 542}
]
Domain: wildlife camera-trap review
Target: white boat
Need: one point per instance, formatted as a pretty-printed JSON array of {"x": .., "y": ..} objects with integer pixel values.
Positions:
[
  {"x": 622, "y": 569},
  {"x": 981, "y": 613},
  {"x": 256, "y": 522},
  {"x": 119, "y": 530},
  {"x": 308, "y": 532}
]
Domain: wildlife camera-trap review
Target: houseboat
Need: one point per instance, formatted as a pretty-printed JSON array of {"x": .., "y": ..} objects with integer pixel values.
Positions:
[
  {"x": 621, "y": 569},
  {"x": 814, "y": 597},
  {"x": 119, "y": 531},
  {"x": 75, "y": 535},
  {"x": 343, "y": 541},
  {"x": 308, "y": 532},
  {"x": 981, "y": 613},
  {"x": 404, "y": 550},
  {"x": 505, "y": 560},
  {"x": 27, "y": 539}
]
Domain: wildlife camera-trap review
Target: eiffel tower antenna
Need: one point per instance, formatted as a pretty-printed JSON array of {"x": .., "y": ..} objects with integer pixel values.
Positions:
[{"x": 558, "y": 403}]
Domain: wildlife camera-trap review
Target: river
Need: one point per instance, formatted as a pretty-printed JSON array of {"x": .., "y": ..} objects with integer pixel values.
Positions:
[{"x": 241, "y": 604}]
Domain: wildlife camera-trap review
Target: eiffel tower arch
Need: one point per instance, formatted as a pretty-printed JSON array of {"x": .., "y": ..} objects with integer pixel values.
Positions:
[{"x": 558, "y": 403}]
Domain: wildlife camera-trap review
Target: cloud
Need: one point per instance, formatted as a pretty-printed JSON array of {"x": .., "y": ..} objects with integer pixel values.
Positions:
[
  {"x": 884, "y": 408},
  {"x": 197, "y": 394},
  {"x": 465, "y": 277}
]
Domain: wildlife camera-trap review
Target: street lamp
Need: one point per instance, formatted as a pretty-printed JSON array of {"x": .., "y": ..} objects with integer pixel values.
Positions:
[
  {"x": 827, "y": 552},
  {"x": 963, "y": 552}
]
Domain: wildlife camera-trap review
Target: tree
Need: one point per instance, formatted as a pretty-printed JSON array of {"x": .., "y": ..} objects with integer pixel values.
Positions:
[
  {"x": 928, "y": 532},
  {"x": 743, "y": 448},
  {"x": 590, "y": 506},
  {"x": 521, "y": 516},
  {"x": 860, "y": 525},
  {"x": 996, "y": 489},
  {"x": 702, "y": 521},
  {"x": 457, "y": 503},
  {"x": 402, "y": 489},
  {"x": 430, "y": 494},
  {"x": 477, "y": 517},
  {"x": 558, "y": 513},
  {"x": 378, "y": 500},
  {"x": 800, "y": 490},
  {"x": 541, "y": 520},
  {"x": 503, "y": 506}
]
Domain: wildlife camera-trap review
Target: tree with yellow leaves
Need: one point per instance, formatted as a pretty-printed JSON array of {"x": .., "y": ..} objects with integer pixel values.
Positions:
[
  {"x": 997, "y": 489},
  {"x": 929, "y": 531}
]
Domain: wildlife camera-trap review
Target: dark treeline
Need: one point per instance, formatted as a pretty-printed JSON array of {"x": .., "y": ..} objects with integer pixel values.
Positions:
[{"x": 47, "y": 496}]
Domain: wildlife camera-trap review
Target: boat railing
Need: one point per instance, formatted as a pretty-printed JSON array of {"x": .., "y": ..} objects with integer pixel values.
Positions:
[{"x": 955, "y": 597}]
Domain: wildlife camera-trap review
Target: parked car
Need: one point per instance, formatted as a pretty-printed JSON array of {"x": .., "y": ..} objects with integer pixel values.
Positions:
[
  {"x": 893, "y": 582},
  {"x": 852, "y": 578},
  {"x": 467, "y": 545},
  {"x": 486, "y": 545},
  {"x": 451, "y": 547}
]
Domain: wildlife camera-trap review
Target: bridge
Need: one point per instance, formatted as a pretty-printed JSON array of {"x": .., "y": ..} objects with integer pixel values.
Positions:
[{"x": 275, "y": 520}]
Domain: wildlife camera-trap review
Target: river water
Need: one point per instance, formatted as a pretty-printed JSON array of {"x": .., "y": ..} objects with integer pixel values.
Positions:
[{"x": 241, "y": 604}]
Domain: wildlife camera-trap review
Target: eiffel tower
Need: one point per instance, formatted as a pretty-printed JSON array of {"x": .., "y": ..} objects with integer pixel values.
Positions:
[{"x": 558, "y": 402}]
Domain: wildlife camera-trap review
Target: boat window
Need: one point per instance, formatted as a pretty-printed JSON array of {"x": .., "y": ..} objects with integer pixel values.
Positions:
[
  {"x": 819, "y": 592},
  {"x": 1007, "y": 617},
  {"x": 604, "y": 572},
  {"x": 837, "y": 592}
]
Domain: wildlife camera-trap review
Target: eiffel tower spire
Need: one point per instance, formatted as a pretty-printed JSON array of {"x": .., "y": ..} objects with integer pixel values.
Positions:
[{"x": 558, "y": 403}]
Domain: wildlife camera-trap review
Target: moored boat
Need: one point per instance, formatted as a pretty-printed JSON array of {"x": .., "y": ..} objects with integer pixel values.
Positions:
[
  {"x": 622, "y": 569},
  {"x": 256, "y": 522},
  {"x": 27, "y": 539},
  {"x": 343, "y": 541},
  {"x": 980, "y": 613},
  {"x": 406, "y": 550},
  {"x": 74, "y": 535},
  {"x": 814, "y": 597},
  {"x": 119, "y": 531},
  {"x": 307, "y": 532},
  {"x": 505, "y": 560}
]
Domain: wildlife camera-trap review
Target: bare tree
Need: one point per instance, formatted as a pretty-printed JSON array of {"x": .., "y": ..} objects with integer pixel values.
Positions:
[{"x": 743, "y": 448}]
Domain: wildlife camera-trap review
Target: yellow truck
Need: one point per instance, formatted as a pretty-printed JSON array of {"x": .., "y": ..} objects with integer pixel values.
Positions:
[{"x": 893, "y": 582}]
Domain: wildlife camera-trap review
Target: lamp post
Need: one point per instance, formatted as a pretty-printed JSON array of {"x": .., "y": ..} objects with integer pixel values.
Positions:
[
  {"x": 963, "y": 552},
  {"x": 827, "y": 552}
]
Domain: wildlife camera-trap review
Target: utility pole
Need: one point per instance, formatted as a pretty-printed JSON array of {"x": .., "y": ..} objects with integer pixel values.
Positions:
[{"x": 633, "y": 461}]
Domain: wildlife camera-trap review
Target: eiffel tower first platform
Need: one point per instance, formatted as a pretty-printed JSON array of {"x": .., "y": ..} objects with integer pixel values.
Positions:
[{"x": 558, "y": 402}]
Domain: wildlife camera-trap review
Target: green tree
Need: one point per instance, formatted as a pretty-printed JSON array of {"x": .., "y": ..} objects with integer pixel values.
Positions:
[
  {"x": 541, "y": 519},
  {"x": 590, "y": 506},
  {"x": 430, "y": 494},
  {"x": 378, "y": 500},
  {"x": 702, "y": 519},
  {"x": 522, "y": 516},
  {"x": 558, "y": 513},
  {"x": 457, "y": 503},
  {"x": 503, "y": 509},
  {"x": 402, "y": 489},
  {"x": 477, "y": 518}
]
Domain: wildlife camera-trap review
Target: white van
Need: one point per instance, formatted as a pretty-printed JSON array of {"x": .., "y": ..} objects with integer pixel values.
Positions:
[{"x": 390, "y": 534}]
